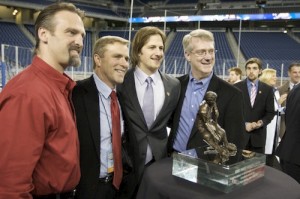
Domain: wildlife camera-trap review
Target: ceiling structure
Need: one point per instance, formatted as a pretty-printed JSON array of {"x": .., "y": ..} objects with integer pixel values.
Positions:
[{"x": 121, "y": 10}]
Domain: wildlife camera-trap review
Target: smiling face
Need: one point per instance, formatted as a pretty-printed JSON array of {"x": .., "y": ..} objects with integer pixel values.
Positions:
[
  {"x": 112, "y": 66},
  {"x": 273, "y": 79},
  {"x": 151, "y": 54},
  {"x": 201, "y": 57},
  {"x": 62, "y": 47}
]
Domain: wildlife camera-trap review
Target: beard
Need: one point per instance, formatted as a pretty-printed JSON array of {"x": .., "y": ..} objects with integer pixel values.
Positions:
[{"x": 74, "y": 60}]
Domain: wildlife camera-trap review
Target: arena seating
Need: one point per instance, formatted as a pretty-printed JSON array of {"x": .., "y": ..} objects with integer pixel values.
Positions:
[
  {"x": 274, "y": 48},
  {"x": 253, "y": 44}
]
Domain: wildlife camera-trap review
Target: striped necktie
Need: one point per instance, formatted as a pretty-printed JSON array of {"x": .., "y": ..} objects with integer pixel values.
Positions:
[{"x": 253, "y": 94}]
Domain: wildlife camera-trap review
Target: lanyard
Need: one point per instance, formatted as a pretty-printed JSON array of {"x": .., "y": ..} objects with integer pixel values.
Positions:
[{"x": 109, "y": 124}]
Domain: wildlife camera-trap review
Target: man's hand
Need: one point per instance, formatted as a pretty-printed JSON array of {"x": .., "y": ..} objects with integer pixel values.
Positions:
[{"x": 250, "y": 126}]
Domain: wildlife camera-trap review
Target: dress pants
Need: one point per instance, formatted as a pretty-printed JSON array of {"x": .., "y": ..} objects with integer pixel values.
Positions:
[{"x": 106, "y": 190}]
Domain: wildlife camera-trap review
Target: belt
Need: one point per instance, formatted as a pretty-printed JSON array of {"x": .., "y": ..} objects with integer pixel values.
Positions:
[
  {"x": 107, "y": 179},
  {"x": 66, "y": 195}
]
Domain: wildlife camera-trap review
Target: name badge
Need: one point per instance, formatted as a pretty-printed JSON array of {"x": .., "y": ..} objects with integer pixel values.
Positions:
[{"x": 110, "y": 162}]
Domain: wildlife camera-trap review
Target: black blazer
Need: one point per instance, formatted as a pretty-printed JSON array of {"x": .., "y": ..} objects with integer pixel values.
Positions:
[
  {"x": 289, "y": 147},
  {"x": 135, "y": 124},
  {"x": 285, "y": 88},
  {"x": 263, "y": 109},
  {"x": 86, "y": 103},
  {"x": 230, "y": 105}
]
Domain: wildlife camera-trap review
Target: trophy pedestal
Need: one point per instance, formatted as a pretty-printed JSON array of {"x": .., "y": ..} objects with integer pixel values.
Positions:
[{"x": 197, "y": 165}]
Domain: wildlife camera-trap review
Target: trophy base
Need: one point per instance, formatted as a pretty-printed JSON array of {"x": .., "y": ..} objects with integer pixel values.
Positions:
[{"x": 197, "y": 165}]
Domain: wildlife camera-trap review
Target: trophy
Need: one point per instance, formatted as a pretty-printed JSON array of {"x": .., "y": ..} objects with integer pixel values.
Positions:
[{"x": 219, "y": 165}]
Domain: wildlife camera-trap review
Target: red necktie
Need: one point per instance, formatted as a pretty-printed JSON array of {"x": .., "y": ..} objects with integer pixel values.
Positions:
[{"x": 116, "y": 140}]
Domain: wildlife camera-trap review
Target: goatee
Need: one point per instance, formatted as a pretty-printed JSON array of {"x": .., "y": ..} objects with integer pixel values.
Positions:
[{"x": 74, "y": 61}]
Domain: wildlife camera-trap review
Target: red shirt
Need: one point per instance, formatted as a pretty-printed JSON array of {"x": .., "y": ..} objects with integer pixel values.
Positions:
[{"x": 39, "y": 148}]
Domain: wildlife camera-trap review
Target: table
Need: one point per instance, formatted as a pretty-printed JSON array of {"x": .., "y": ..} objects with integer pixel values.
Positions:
[{"x": 159, "y": 183}]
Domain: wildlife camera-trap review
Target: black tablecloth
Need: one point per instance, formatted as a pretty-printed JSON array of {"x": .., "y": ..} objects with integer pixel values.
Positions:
[{"x": 159, "y": 183}]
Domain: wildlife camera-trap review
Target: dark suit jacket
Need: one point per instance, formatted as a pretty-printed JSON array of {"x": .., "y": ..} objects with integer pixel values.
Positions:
[
  {"x": 263, "y": 109},
  {"x": 230, "y": 105},
  {"x": 86, "y": 103},
  {"x": 135, "y": 124},
  {"x": 289, "y": 147},
  {"x": 285, "y": 88}
]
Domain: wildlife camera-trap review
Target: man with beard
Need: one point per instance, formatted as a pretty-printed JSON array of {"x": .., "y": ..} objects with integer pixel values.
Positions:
[
  {"x": 39, "y": 142},
  {"x": 199, "y": 51},
  {"x": 258, "y": 106},
  {"x": 93, "y": 98}
]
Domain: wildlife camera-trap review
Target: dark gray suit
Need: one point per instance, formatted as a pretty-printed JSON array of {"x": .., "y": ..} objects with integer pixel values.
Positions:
[
  {"x": 263, "y": 109},
  {"x": 230, "y": 105},
  {"x": 289, "y": 147},
  {"x": 135, "y": 124}
]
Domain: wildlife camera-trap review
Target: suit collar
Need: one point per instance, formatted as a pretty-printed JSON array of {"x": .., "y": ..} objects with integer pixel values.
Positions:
[
  {"x": 130, "y": 90},
  {"x": 129, "y": 85},
  {"x": 91, "y": 102}
]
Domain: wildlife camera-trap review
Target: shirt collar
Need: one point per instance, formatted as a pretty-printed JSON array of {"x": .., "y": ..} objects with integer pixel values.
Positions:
[
  {"x": 62, "y": 81},
  {"x": 291, "y": 85},
  {"x": 102, "y": 87},
  {"x": 142, "y": 76},
  {"x": 204, "y": 81},
  {"x": 249, "y": 82}
]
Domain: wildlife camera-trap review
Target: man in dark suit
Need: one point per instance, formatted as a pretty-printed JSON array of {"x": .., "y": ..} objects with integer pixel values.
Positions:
[
  {"x": 294, "y": 74},
  {"x": 92, "y": 100},
  {"x": 147, "y": 139},
  {"x": 199, "y": 49},
  {"x": 289, "y": 147},
  {"x": 258, "y": 106}
]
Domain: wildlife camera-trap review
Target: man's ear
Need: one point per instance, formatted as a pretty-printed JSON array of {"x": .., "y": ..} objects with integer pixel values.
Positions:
[
  {"x": 187, "y": 56},
  {"x": 97, "y": 60},
  {"x": 43, "y": 35}
]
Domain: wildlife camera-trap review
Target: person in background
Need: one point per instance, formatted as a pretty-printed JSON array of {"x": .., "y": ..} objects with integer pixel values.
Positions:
[
  {"x": 148, "y": 98},
  {"x": 269, "y": 77},
  {"x": 92, "y": 98},
  {"x": 235, "y": 75},
  {"x": 294, "y": 75},
  {"x": 39, "y": 141},
  {"x": 199, "y": 51},
  {"x": 258, "y": 106},
  {"x": 289, "y": 147}
]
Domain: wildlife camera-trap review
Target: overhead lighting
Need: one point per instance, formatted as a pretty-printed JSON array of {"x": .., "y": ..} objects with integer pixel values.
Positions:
[{"x": 15, "y": 12}]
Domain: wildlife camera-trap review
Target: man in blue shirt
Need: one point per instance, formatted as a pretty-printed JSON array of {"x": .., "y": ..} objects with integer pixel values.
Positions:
[{"x": 199, "y": 51}]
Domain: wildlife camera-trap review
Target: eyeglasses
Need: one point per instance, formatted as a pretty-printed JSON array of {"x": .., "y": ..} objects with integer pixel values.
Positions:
[{"x": 202, "y": 53}]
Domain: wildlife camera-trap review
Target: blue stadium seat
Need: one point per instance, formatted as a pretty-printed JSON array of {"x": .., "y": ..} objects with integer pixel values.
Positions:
[{"x": 274, "y": 48}]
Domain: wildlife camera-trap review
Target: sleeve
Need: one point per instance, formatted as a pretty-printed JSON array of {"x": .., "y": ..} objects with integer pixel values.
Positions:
[
  {"x": 234, "y": 122},
  {"x": 269, "y": 108},
  {"x": 22, "y": 132}
]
